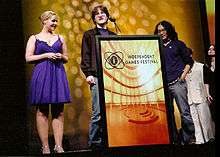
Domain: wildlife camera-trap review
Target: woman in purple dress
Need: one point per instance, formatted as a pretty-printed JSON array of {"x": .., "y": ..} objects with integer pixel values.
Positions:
[{"x": 49, "y": 85}]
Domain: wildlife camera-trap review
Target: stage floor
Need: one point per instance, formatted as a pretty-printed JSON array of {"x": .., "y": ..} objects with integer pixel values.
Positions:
[{"x": 204, "y": 150}]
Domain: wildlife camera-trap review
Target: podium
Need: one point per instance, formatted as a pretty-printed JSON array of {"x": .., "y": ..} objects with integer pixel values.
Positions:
[{"x": 132, "y": 90}]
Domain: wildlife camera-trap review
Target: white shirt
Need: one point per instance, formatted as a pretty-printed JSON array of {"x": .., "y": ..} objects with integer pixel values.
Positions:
[{"x": 195, "y": 84}]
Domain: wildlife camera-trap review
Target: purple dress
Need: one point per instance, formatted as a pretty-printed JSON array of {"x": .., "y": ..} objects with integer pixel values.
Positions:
[{"x": 49, "y": 84}]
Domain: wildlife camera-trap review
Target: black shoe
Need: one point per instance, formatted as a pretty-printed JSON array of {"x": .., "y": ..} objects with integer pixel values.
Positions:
[
  {"x": 212, "y": 140},
  {"x": 176, "y": 142},
  {"x": 191, "y": 141},
  {"x": 96, "y": 147}
]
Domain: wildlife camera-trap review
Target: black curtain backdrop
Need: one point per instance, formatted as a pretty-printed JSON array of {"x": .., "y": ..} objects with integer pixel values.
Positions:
[{"x": 12, "y": 80}]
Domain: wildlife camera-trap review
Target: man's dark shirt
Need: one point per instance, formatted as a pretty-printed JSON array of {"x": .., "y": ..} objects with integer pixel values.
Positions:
[
  {"x": 89, "y": 51},
  {"x": 176, "y": 56}
]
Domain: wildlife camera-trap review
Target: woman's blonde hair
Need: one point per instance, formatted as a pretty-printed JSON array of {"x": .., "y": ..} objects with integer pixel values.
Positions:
[{"x": 46, "y": 15}]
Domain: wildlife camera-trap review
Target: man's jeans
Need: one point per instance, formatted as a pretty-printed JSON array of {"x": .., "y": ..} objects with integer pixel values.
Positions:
[
  {"x": 94, "y": 127},
  {"x": 178, "y": 91}
]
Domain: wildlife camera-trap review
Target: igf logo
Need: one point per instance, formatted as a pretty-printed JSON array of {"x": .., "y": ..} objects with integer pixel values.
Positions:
[{"x": 114, "y": 60}]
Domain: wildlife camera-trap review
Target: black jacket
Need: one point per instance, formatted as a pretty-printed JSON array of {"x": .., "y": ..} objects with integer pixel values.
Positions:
[{"x": 89, "y": 51}]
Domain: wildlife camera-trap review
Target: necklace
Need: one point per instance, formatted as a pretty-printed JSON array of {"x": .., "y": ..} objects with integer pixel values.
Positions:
[
  {"x": 165, "y": 44},
  {"x": 48, "y": 37},
  {"x": 49, "y": 41}
]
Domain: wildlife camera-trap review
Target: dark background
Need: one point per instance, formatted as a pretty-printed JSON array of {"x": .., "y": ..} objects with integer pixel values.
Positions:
[
  {"x": 12, "y": 80},
  {"x": 13, "y": 107}
]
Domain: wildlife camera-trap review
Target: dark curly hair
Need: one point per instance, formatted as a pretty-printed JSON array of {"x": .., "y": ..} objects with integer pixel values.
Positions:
[{"x": 169, "y": 28}]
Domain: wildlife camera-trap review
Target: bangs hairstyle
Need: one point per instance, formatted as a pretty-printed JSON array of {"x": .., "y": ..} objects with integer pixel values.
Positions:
[
  {"x": 46, "y": 15},
  {"x": 95, "y": 11}
]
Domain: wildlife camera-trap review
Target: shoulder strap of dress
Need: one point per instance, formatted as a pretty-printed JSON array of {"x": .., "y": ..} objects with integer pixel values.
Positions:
[
  {"x": 35, "y": 37},
  {"x": 59, "y": 39}
]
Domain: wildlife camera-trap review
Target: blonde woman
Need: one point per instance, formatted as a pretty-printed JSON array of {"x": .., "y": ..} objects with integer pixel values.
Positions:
[{"x": 49, "y": 85}]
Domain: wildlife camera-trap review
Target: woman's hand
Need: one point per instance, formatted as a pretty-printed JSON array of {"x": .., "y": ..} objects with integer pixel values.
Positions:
[
  {"x": 58, "y": 55},
  {"x": 52, "y": 56},
  {"x": 55, "y": 56},
  {"x": 209, "y": 99}
]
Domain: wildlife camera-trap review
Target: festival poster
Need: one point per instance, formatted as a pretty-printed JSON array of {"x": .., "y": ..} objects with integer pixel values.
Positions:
[{"x": 133, "y": 86}]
